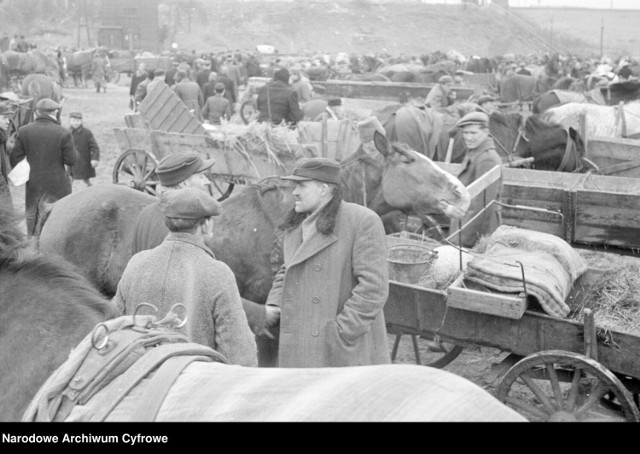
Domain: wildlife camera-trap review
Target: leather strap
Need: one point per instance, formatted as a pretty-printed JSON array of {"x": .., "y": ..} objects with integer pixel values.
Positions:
[
  {"x": 148, "y": 405},
  {"x": 568, "y": 152}
]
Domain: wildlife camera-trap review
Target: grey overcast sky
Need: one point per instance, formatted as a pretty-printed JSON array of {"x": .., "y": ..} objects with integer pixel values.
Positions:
[{"x": 601, "y": 4}]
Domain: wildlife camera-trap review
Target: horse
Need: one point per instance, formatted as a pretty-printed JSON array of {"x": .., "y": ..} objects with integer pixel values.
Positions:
[
  {"x": 79, "y": 66},
  {"x": 21, "y": 64},
  {"x": 418, "y": 128},
  {"x": 195, "y": 383},
  {"x": 555, "y": 98},
  {"x": 602, "y": 121},
  {"x": 93, "y": 228},
  {"x": 46, "y": 309},
  {"x": 37, "y": 87},
  {"x": 552, "y": 146}
]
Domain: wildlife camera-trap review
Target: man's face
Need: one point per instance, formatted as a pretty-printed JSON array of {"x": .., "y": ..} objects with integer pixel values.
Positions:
[
  {"x": 4, "y": 121},
  {"x": 308, "y": 195},
  {"x": 75, "y": 122},
  {"x": 474, "y": 135},
  {"x": 199, "y": 181}
]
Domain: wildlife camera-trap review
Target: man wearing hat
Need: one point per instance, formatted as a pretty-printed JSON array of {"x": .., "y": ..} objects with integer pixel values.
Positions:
[
  {"x": 230, "y": 88},
  {"x": 189, "y": 93},
  {"x": 184, "y": 270},
  {"x": 278, "y": 102},
  {"x": 158, "y": 80},
  {"x": 333, "y": 285},
  {"x": 487, "y": 104},
  {"x": 522, "y": 69},
  {"x": 88, "y": 150},
  {"x": 441, "y": 95},
  {"x": 481, "y": 156},
  {"x": 5, "y": 192},
  {"x": 301, "y": 85},
  {"x": 202, "y": 76},
  {"x": 217, "y": 106},
  {"x": 48, "y": 148}
]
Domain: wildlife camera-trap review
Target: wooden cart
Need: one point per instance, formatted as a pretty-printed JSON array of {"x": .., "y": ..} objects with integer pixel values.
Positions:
[{"x": 557, "y": 370}]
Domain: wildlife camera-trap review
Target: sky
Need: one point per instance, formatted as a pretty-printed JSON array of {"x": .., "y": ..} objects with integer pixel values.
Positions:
[{"x": 601, "y": 4}]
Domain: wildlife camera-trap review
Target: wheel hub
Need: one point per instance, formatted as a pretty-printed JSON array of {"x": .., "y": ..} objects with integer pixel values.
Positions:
[{"x": 563, "y": 416}]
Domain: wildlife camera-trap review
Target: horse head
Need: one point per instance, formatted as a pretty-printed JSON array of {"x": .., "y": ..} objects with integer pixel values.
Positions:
[{"x": 413, "y": 182}]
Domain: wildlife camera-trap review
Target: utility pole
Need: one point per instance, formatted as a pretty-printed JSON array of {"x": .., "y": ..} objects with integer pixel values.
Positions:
[
  {"x": 601, "y": 38},
  {"x": 551, "y": 34}
]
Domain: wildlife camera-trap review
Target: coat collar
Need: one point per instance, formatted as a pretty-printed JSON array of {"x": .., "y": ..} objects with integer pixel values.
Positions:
[
  {"x": 47, "y": 118},
  {"x": 316, "y": 242},
  {"x": 190, "y": 238},
  {"x": 472, "y": 155}
]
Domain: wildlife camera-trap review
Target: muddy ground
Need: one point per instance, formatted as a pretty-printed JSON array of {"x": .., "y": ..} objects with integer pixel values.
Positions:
[{"x": 105, "y": 111}]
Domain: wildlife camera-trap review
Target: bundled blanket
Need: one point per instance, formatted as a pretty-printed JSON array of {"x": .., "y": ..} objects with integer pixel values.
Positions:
[{"x": 551, "y": 266}]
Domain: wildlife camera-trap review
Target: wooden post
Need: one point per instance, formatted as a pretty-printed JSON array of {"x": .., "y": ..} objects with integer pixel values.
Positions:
[
  {"x": 324, "y": 149},
  {"x": 449, "y": 150},
  {"x": 582, "y": 122}
]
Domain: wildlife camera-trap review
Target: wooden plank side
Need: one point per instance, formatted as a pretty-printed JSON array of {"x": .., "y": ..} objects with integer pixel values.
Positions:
[
  {"x": 138, "y": 139},
  {"x": 499, "y": 304},
  {"x": 608, "y": 218},
  {"x": 166, "y": 112},
  {"x": 486, "y": 180},
  {"x": 534, "y": 332},
  {"x": 400, "y": 92}
]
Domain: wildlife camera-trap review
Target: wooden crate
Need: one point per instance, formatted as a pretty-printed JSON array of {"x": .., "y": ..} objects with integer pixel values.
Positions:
[
  {"x": 333, "y": 139},
  {"x": 388, "y": 91},
  {"x": 467, "y": 295},
  {"x": 164, "y": 111}
]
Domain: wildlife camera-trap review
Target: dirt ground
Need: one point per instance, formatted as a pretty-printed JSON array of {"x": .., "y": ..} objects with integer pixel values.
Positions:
[{"x": 105, "y": 111}]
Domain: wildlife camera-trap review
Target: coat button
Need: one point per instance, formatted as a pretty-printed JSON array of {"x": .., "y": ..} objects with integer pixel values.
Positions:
[
  {"x": 315, "y": 333},
  {"x": 317, "y": 267},
  {"x": 315, "y": 300}
]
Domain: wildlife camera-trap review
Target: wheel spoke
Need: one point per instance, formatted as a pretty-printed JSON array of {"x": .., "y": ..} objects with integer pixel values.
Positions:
[
  {"x": 555, "y": 386},
  {"x": 575, "y": 388},
  {"x": 416, "y": 351},
  {"x": 522, "y": 405},
  {"x": 149, "y": 173},
  {"x": 594, "y": 398},
  {"x": 538, "y": 393},
  {"x": 125, "y": 169}
]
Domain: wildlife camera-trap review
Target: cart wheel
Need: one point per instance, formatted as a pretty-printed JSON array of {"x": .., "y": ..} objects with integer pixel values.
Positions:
[
  {"x": 435, "y": 353},
  {"x": 564, "y": 386},
  {"x": 136, "y": 169},
  {"x": 248, "y": 111},
  {"x": 223, "y": 188}
]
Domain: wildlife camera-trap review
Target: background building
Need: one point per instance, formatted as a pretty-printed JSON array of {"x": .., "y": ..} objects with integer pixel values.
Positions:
[{"x": 127, "y": 24}]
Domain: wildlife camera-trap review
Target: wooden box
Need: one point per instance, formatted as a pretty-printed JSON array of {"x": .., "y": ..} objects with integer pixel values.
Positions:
[{"x": 467, "y": 295}]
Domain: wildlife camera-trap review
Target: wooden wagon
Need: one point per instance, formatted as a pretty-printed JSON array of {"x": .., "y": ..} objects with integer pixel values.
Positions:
[{"x": 557, "y": 369}]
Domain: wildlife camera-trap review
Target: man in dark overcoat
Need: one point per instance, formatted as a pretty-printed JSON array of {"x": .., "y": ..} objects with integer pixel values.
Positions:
[
  {"x": 48, "y": 148},
  {"x": 87, "y": 148},
  {"x": 278, "y": 102}
]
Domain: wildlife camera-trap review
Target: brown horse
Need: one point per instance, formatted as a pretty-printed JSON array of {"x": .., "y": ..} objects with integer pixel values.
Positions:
[
  {"x": 46, "y": 308},
  {"x": 79, "y": 66},
  {"x": 22, "y": 64},
  {"x": 37, "y": 87}
]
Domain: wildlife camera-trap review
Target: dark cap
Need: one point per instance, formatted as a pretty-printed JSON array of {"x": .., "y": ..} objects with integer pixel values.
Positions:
[
  {"x": 47, "y": 104},
  {"x": 282, "y": 75},
  {"x": 188, "y": 203},
  {"x": 219, "y": 86},
  {"x": 321, "y": 169},
  {"x": 177, "y": 167},
  {"x": 474, "y": 118},
  {"x": 76, "y": 115}
]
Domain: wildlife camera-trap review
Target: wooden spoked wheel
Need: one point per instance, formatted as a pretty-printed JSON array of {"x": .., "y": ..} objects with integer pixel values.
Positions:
[
  {"x": 136, "y": 169},
  {"x": 428, "y": 350},
  {"x": 560, "y": 386}
]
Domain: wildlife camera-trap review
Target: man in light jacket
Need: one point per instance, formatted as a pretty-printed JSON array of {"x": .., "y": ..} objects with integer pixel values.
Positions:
[{"x": 330, "y": 292}]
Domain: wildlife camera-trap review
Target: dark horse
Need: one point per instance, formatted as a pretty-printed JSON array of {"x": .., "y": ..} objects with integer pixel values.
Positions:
[
  {"x": 35, "y": 288},
  {"x": 515, "y": 137}
]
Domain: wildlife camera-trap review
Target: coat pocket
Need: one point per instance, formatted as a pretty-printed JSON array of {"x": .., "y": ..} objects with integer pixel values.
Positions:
[{"x": 338, "y": 352}]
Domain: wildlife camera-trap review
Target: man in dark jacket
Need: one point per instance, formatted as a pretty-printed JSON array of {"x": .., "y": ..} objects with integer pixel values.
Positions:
[
  {"x": 48, "y": 148},
  {"x": 5, "y": 192},
  {"x": 229, "y": 89},
  {"x": 139, "y": 76},
  {"x": 278, "y": 102},
  {"x": 88, "y": 150}
]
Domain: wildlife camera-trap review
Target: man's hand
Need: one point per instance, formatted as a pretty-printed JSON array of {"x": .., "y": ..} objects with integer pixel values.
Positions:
[
  {"x": 272, "y": 316},
  {"x": 94, "y": 163}
]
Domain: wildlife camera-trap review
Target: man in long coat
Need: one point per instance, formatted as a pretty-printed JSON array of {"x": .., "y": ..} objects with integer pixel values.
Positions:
[
  {"x": 333, "y": 285},
  {"x": 99, "y": 71},
  {"x": 48, "y": 148},
  {"x": 88, "y": 150},
  {"x": 190, "y": 94}
]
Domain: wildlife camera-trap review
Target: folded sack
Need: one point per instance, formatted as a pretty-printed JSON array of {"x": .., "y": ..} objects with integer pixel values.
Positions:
[{"x": 551, "y": 266}]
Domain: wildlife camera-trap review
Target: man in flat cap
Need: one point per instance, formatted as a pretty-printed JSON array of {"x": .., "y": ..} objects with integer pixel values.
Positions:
[
  {"x": 481, "y": 156},
  {"x": 441, "y": 95},
  {"x": 184, "y": 270},
  {"x": 88, "y": 150},
  {"x": 217, "y": 106},
  {"x": 334, "y": 282},
  {"x": 277, "y": 102},
  {"x": 48, "y": 148}
]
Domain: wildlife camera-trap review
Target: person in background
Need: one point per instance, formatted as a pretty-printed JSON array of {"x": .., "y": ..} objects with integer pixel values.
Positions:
[
  {"x": 217, "y": 106},
  {"x": 5, "y": 192},
  {"x": 441, "y": 95},
  {"x": 328, "y": 297},
  {"x": 170, "y": 75},
  {"x": 141, "y": 90},
  {"x": 88, "y": 157},
  {"x": 209, "y": 89},
  {"x": 202, "y": 76},
  {"x": 301, "y": 85},
  {"x": 278, "y": 102},
  {"x": 481, "y": 156},
  {"x": 182, "y": 269},
  {"x": 230, "y": 88},
  {"x": 136, "y": 78},
  {"x": 189, "y": 93},
  {"x": 98, "y": 71},
  {"x": 48, "y": 148}
]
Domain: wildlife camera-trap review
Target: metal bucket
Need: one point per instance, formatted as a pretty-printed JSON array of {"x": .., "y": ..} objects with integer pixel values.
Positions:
[{"x": 408, "y": 262}]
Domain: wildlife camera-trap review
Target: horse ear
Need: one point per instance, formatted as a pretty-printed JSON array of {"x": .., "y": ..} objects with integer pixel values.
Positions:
[{"x": 382, "y": 144}]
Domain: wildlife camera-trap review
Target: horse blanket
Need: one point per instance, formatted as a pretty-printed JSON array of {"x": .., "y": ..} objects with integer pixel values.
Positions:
[
  {"x": 551, "y": 266},
  {"x": 418, "y": 128},
  {"x": 207, "y": 390},
  {"x": 602, "y": 121}
]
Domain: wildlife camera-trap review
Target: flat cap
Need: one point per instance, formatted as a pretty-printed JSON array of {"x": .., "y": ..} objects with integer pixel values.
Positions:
[
  {"x": 282, "y": 75},
  {"x": 76, "y": 115},
  {"x": 445, "y": 80},
  {"x": 219, "y": 86},
  {"x": 486, "y": 98},
  {"x": 177, "y": 167},
  {"x": 320, "y": 169},
  {"x": 158, "y": 72},
  {"x": 47, "y": 104},
  {"x": 188, "y": 203},
  {"x": 474, "y": 118},
  {"x": 368, "y": 127}
]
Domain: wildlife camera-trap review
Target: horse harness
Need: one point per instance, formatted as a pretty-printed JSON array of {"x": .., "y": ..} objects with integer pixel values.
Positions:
[
  {"x": 122, "y": 358},
  {"x": 521, "y": 136}
]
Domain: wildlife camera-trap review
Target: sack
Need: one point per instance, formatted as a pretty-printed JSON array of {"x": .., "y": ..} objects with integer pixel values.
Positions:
[{"x": 19, "y": 175}]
